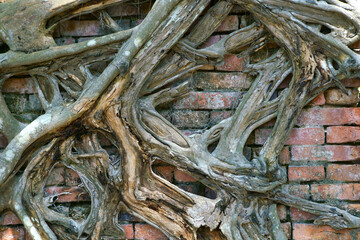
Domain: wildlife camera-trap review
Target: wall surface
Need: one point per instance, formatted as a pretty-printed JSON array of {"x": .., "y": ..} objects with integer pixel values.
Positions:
[{"x": 321, "y": 155}]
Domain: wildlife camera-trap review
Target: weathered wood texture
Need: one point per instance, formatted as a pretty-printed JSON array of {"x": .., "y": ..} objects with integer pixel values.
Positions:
[{"x": 112, "y": 85}]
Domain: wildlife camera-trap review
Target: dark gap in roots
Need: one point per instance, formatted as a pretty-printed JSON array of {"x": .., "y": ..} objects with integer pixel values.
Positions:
[
  {"x": 4, "y": 48},
  {"x": 335, "y": 65},
  {"x": 325, "y": 30},
  {"x": 213, "y": 146}
]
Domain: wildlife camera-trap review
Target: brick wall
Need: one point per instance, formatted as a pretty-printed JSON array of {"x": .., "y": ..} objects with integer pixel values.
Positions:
[{"x": 322, "y": 153}]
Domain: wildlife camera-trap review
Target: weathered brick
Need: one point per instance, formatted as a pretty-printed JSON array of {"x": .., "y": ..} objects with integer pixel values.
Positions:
[
  {"x": 19, "y": 85},
  {"x": 218, "y": 116},
  {"x": 129, "y": 230},
  {"x": 337, "y": 97},
  {"x": 318, "y": 101},
  {"x": 282, "y": 212},
  {"x": 230, "y": 23},
  {"x": 298, "y": 136},
  {"x": 301, "y": 191},
  {"x": 329, "y": 153},
  {"x": 329, "y": 116},
  {"x": 287, "y": 229},
  {"x": 191, "y": 119},
  {"x": 315, "y": 232},
  {"x": 166, "y": 172},
  {"x": 183, "y": 177},
  {"x": 71, "y": 178},
  {"x": 122, "y": 11},
  {"x": 322, "y": 192},
  {"x": 351, "y": 82},
  {"x": 33, "y": 104},
  {"x": 12, "y": 233},
  {"x": 343, "y": 172},
  {"x": 232, "y": 63},
  {"x": 64, "y": 41},
  {"x": 298, "y": 215},
  {"x": 3, "y": 141},
  {"x": 68, "y": 194},
  {"x": 147, "y": 232},
  {"x": 284, "y": 156},
  {"x": 208, "y": 100},
  {"x": 210, "y": 41},
  {"x": 125, "y": 10},
  {"x": 306, "y": 173},
  {"x": 342, "y": 134},
  {"x": 80, "y": 28},
  {"x": 56, "y": 177},
  {"x": 9, "y": 218},
  {"x": 15, "y": 103},
  {"x": 218, "y": 80}
]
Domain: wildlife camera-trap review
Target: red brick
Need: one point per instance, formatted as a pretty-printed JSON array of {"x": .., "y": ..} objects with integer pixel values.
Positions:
[
  {"x": 314, "y": 232},
  {"x": 298, "y": 215},
  {"x": 232, "y": 63},
  {"x": 73, "y": 194},
  {"x": 298, "y": 136},
  {"x": 191, "y": 119},
  {"x": 147, "y": 232},
  {"x": 344, "y": 172},
  {"x": 318, "y": 101},
  {"x": 9, "y": 218},
  {"x": 208, "y": 100},
  {"x": 19, "y": 85},
  {"x": 284, "y": 156},
  {"x": 220, "y": 80},
  {"x": 329, "y": 153},
  {"x": 71, "y": 178},
  {"x": 329, "y": 116},
  {"x": 80, "y": 28},
  {"x": 230, "y": 23},
  {"x": 14, "y": 233},
  {"x": 166, "y": 172},
  {"x": 337, "y": 97},
  {"x": 335, "y": 191},
  {"x": 3, "y": 141},
  {"x": 183, "y": 177},
  {"x": 306, "y": 173},
  {"x": 210, "y": 41},
  {"x": 56, "y": 177},
  {"x": 129, "y": 230},
  {"x": 343, "y": 134}
]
